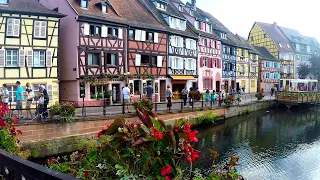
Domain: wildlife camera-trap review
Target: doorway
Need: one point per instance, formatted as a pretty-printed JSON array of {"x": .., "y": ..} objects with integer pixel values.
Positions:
[
  {"x": 162, "y": 90},
  {"x": 217, "y": 86},
  {"x": 116, "y": 93},
  {"x": 238, "y": 87},
  {"x": 232, "y": 84}
]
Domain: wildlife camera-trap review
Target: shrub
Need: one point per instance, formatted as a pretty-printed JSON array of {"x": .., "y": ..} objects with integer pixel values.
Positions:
[
  {"x": 65, "y": 111},
  {"x": 206, "y": 118},
  {"x": 143, "y": 103},
  {"x": 228, "y": 100},
  {"x": 259, "y": 95}
]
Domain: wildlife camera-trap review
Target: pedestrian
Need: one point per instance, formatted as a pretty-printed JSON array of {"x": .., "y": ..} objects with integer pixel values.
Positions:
[
  {"x": 197, "y": 96},
  {"x": 184, "y": 94},
  {"x": 41, "y": 103},
  {"x": 46, "y": 101},
  {"x": 5, "y": 95},
  {"x": 29, "y": 98},
  {"x": 244, "y": 88},
  {"x": 238, "y": 96},
  {"x": 230, "y": 91},
  {"x": 272, "y": 91},
  {"x": 207, "y": 97},
  {"x": 126, "y": 97},
  {"x": 149, "y": 91},
  {"x": 213, "y": 97},
  {"x": 220, "y": 98},
  {"x": 19, "y": 99},
  {"x": 169, "y": 97},
  {"x": 191, "y": 96}
]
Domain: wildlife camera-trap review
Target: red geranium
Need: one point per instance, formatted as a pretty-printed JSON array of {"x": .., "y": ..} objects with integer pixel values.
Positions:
[
  {"x": 157, "y": 134},
  {"x": 86, "y": 174},
  {"x": 165, "y": 170}
]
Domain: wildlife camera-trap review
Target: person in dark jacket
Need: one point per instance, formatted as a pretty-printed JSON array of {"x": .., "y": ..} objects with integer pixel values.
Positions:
[{"x": 46, "y": 101}]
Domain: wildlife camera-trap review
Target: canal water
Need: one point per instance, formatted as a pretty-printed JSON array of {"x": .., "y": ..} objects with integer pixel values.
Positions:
[{"x": 271, "y": 145}]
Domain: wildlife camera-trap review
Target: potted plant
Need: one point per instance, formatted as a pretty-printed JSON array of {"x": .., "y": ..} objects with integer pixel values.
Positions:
[
  {"x": 259, "y": 95},
  {"x": 228, "y": 100}
]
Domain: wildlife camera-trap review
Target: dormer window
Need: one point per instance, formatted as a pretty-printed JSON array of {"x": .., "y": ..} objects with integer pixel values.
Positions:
[
  {"x": 280, "y": 45},
  {"x": 180, "y": 8},
  {"x": 4, "y": 1},
  {"x": 298, "y": 47},
  {"x": 161, "y": 6},
  {"x": 176, "y": 23},
  {"x": 308, "y": 49},
  {"x": 197, "y": 25},
  {"x": 191, "y": 12},
  {"x": 84, "y": 3},
  {"x": 223, "y": 35},
  {"x": 104, "y": 9},
  {"x": 288, "y": 46}
]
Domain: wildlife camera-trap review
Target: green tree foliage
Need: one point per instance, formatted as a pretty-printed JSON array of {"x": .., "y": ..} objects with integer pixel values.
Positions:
[
  {"x": 315, "y": 67},
  {"x": 304, "y": 70}
]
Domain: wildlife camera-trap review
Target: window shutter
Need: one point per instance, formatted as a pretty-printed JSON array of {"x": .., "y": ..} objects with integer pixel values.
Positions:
[
  {"x": 219, "y": 63},
  {"x": 86, "y": 29},
  {"x": 208, "y": 42},
  {"x": 159, "y": 61},
  {"x": 137, "y": 36},
  {"x": 21, "y": 58},
  {"x": 138, "y": 60},
  {"x": 264, "y": 75},
  {"x": 104, "y": 31},
  {"x": 200, "y": 41},
  {"x": 180, "y": 42},
  {"x": 49, "y": 58},
  {"x": 210, "y": 62},
  {"x": 188, "y": 43},
  {"x": 186, "y": 63},
  {"x": 16, "y": 27},
  {"x": 9, "y": 27},
  {"x": 194, "y": 45},
  {"x": 279, "y": 65},
  {"x": 172, "y": 41},
  {"x": 278, "y": 76},
  {"x": 43, "y": 31},
  {"x": 201, "y": 26},
  {"x": 172, "y": 62},
  {"x": 143, "y": 35},
  {"x": 36, "y": 28},
  {"x": 2, "y": 57},
  {"x": 120, "y": 33},
  {"x": 201, "y": 61},
  {"x": 50, "y": 91},
  {"x": 194, "y": 64},
  {"x": 29, "y": 58},
  {"x": 156, "y": 37}
]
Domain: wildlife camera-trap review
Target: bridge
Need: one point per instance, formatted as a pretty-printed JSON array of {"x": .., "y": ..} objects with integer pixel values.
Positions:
[{"x": 290, "y": 98}]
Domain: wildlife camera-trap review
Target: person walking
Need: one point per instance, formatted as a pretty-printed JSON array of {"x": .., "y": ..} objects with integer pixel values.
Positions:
[
  {"x": 5, "y": 95},
  {"x": 213, "y": 97},
  {"x": 184, "y": 94},
  {"x": 207, "y": 97},
  {"x": 29, "y": 99},
  {"x": 46, "y": 101},
  {"x": 169, "y": 97},
  {"x": 272, "y": 91},
  {"x": 191, "y": 96},
  {"x": 19, "y": 99},
  {"x": 149, "y": 91},
  {"x": 126, "y": 97}
]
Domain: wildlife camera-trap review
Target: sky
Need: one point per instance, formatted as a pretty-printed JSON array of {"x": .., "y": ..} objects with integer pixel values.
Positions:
[{"x": 239, "y": 15}]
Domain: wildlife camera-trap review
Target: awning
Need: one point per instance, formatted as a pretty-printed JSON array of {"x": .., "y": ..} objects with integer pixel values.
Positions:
[{"x": 182, "y": 77}]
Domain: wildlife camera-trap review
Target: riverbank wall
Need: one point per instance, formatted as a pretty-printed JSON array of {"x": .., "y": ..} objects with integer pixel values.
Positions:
[{"x": 48, "y": 139}]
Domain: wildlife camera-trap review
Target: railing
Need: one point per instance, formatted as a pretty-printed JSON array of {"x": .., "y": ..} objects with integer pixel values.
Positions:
[
  {"x": 298, "y": 97},
  {"x": 13, "y": 167}
]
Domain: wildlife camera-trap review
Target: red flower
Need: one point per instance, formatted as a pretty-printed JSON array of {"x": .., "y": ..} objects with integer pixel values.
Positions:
[
  {"x": 86, "y": 174},
  {"x": 195, "y": 155},
  {"x": 107, "y": 126},
  {"x": 192, "y": 136},
  {"x": 156, "y": 134},
  {"x": 2, "y": 123},
  {"x": 52, "y": 160},
  {"x": 186, "y": 128},
  {"x": 99, "y": 134},
  {"x": 165, "y": 170},
  {"x": 167, "y": 178},
  {"x": 15, "y": 120},
  {"x": 19, "y": 132}
]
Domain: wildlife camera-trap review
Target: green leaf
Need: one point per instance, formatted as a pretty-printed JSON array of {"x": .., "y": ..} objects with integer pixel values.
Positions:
[
  {"x": 157, "y": 124},
  {"x": 140, "y": 141},
  {"x": 118, "y": 166},
  {"x": 178, "y": 123},
  {"x": 144, "y": 158}
]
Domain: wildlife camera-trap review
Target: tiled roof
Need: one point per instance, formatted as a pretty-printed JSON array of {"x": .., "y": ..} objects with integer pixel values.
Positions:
[
  {"x": 28, "y": 7},
  {"x": 294, "y": 35},
  {"x": 277, "y": 36},
  {"x": 200, "y": 14},
  {"x": 170, "y": 11},
  {"x": 131, "y": 12},
  {"x": 242, "y": 42},
  {"x": 264, "y": 54}
]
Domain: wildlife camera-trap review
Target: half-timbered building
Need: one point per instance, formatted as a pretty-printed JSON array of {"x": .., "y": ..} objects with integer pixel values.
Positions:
[
  {"x": 209, "y": 47},
  {"x": 271, "y": 37},
  {"x": 182, "y": 45},
  {"x": 93, "y": 51},
  {"x": 29, "y": 46},
  {"x": 269, "y": 70}
]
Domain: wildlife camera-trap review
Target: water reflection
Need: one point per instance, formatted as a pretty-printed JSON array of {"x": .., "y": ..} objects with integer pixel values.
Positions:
[{"x": 271, "y": 145}]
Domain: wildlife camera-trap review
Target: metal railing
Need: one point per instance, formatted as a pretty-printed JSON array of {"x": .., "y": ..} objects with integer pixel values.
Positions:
[{"x": 13, "y": 167}]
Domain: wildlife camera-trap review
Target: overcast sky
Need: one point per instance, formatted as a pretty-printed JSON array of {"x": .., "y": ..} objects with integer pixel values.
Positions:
[{"x": 239, "y": 15}]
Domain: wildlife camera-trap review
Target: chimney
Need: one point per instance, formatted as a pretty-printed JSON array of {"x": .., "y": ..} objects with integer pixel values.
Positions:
[
  {"x": 193, "y": 4},
  {"x": 275, "y": 24}
]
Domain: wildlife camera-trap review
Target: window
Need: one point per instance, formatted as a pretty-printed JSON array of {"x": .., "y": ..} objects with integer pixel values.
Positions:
[
  {"x": 40, "y": 29},
  {"x": 137, "y": 87},
  {"x": 204, "y": 41},
  {"x": 267, "y": 87},
  {"x": 280, "y": 45},
  {"x": 145, "y": 60},
  {"x": 113, "y": 31},
  {"x": 267, "y": 64},
  {"x": 95, "y": 30},
  {"x": 84, "y": 3},
  {"x": 288, "y": 46},
  {"x": 242, "y": 52},
  {"x": 93, "y": 59},
  {"x": 308, "y": 49},
  {"x": 197, "y": 25},
  {"x": 242, "y": 68},
  {"x": 267, "y": 75},
  {"x": 298, "y": 47},
  {"x": 253, "y": 84},
  {"x": 215, "y": 63},
  {"x": 276, "y": 76},
  {"x": 13, "y": 27},
  {"x": 154, "y": 61},
  {"x": 12, "y": 58},
  {"x": 35, "y": 89},
  {"x": 264, "y": 35},
  {"x": 190, "y": 61},
  {"x": 223, "y": 35},
  {"x": 253, "y": 69},
  {"x": 104, "y": 8},
  {"x": 176, "y": 23},
  {"x": 4, "y": 1},
  {"x": 207, "y": 83},
  {"x": 205, "y": 62},
  {"x": 12, "y": 93},
  {"x": 161, "y": 6},
  {"x": 98, "y": 91},
  {"x": 111, "y": 59},
  {"x": 131, "y": 34},
  {"x": 251, "y": 38},
  {"x": 191, "y": 12},
  {"x": 180, "y": 8},
  {"x": 149, "y": 36},
  {"x": 176, "y": 41},
  {"x": 39, "y": 58}
]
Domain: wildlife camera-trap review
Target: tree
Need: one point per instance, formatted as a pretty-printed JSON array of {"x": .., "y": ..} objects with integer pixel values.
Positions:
[
  {"x": 304, "y": 70},
  {"x": 315, "y": 67}
]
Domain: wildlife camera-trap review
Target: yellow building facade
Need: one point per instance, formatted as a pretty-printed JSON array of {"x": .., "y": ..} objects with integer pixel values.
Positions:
[
  {"x": 243, "y": 69},
  {"x": 29, "y": 51}
]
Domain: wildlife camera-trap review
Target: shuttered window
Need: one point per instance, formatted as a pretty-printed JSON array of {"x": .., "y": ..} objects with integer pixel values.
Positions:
[
  {"x": 12, "y": 58},
  {"x": 13, "y": 27},
  {"x": 39, "y": 58},
  {"x": 40, "y": 29}
]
